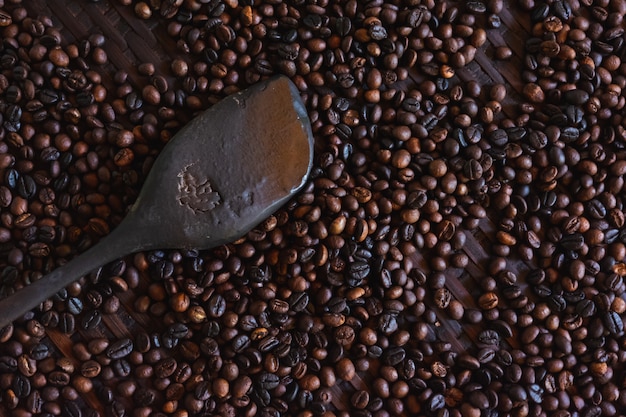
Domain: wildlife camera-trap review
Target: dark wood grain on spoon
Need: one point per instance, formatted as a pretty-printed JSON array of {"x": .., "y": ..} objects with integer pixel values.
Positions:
[{"x": 218, "y": 177}]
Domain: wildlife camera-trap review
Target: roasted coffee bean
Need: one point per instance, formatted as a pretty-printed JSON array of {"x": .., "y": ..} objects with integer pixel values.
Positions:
[
  {"x": 486, "y": 355},
  {"x": 26, "y": 187},
  {"x": 71, "y": 409},
  {"x": 596, "y": 209},
  {"x": 489, "y": 337},
  {"x": 613, "y": 281},
  {"x": 357, "y": 272},
  {"x": 267, "y": 381},
  {"x": 178, "y": 330},
  {"x": 216, "y": 306},
  {"x": 121, "y": 367},
  {"x": 119, "y": 349},
  {"x": 512, "y": 291},
  {"x": 503, "y": 328},
  {"x": 74, "y": 305},
  {"x": 144, "y": 397},
  {"x": 570, "y": 134},
  {"x": 5, "y": 19},
  {"x": 393, "y": 356},
  {"x": 488, "y": 301},
  {"x": 472, "y": 169},
  {"x": 58, "y": 378},
  {"x": 535, "y": 393},
  {"x": 8, "y": 364},
  {"x": 573, "y": 242},
  {"x": 585, "y": 308},
  {"x": 411, "y": 104},
  {"x": 298, "y": 302},
  {"x": 240, "y": 343},
  {"x": 263, "y": 67},
  {"x": 165, "y": 367},
  {"x": 21, "y": 386},
  {"x": 613, "y": 322},
  {"x": 442, "y": 298},
  {"x": 39, "y": 351},
  {"x": 591, "y": 411},
  {"x": 90, "y": 369},
  {"x": 91, "y": 320},
  {"x": 479, "y": 400},
  {"x": 343, "y": 25},
  {"x": 263, "y": 398},
  {"x": 436, "y": 403},
  {"x": 557, "y": 302},
  {"x": 34, "y": 402},
  {"x": 504, "y": 358},
  {"x": 26, "y": 366},
  {"x": 67, "y": 323}
]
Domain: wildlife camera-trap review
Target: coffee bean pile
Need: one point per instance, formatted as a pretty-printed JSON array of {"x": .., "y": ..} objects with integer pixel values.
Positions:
[{"x": 345, "y": 302}]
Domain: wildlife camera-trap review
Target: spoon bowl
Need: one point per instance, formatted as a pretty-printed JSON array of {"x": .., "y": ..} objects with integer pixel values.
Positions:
[{"x": 216, "y": 179}]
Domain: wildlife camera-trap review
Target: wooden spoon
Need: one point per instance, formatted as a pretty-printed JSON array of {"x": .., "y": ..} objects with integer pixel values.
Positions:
[{"x": 218, "y": 177}]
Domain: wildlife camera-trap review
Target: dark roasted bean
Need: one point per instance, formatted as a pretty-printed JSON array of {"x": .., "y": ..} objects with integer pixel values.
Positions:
[
  {"x": 613, "y": 322},
  {"x": 39, "y": 351},
  {"x": 489, "y": 337},
  {"x": 71, "y": 409},
  {"x": 119, "y": 349}
]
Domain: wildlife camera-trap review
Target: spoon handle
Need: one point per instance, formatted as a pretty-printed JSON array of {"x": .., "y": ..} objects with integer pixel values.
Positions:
[{"x": 24, "y": 300}]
